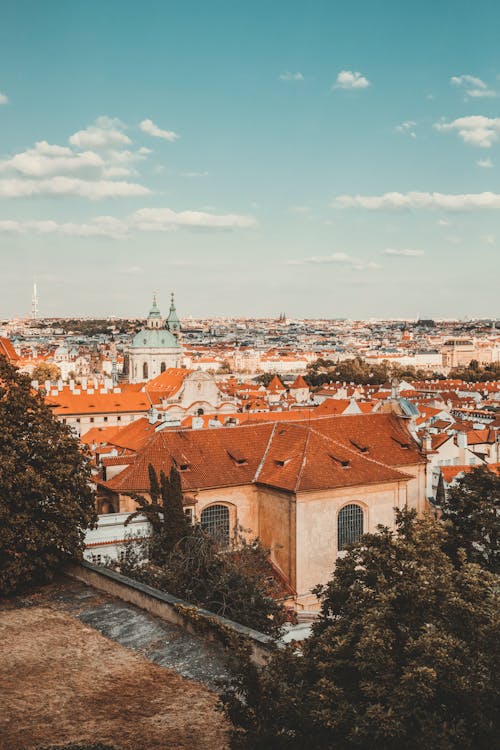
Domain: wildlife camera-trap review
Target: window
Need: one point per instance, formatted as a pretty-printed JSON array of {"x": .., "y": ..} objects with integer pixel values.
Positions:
[
  {"x": 91, "y": 419},
  {"x": 349, "y": 525},
  {"x": 145, "y": 371},
  {"x": 163, "y": 367},
  {"x": 215, "y": 520}
]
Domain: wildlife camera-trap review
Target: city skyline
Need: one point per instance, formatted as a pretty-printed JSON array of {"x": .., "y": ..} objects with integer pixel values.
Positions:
[{"x": 328, "y": 162}]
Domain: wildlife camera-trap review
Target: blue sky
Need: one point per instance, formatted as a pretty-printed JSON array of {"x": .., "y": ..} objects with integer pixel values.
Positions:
[{"x": 323, "y": 159}]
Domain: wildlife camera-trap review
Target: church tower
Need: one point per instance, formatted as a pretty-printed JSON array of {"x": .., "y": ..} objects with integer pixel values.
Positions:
[
  {"x": 173, "y": 322},
  {"x": 154, "y": 318}
]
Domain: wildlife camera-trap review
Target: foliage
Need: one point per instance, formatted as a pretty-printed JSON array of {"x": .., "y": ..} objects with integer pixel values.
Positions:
[
  {"x": 360, "y": 372},
  {"x": 265, "y": 378},
  {"x": 474, "y": 373},
  {"x": 164, "y": 512},
  {"x": 190, "y": 563},
  {"x": 471, "y": 509},
  {"x": 404, "y": 655},
  {"x": 46, "y": 503},
  {"x": 45, "y": 371}
]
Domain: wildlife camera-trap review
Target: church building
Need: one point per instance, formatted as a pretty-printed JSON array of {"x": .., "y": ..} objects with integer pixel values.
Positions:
[{"x": 156, "y": 347}]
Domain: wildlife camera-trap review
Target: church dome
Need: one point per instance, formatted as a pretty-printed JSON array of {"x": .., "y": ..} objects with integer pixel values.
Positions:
[{"x": 154, "y": 338}]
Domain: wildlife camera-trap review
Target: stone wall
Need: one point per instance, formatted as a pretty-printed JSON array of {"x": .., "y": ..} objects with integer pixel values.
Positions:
[{"x": 176, "y": 611}]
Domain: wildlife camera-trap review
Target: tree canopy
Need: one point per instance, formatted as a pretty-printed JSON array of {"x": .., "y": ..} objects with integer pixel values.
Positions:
[
  {"x": 189, "y": 562},
  {"x": 471, "y": 510},
  {"x": 46, "y": 503},
  {"x": 404, "y": 655}
]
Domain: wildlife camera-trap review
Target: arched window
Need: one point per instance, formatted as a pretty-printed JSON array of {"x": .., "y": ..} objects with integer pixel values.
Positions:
[
  {"x": 163, "y": 367},
  {"x": 215, "y": 520},
  {"x": 349, "y": 525},
  {"x": 145, "y": 371}
]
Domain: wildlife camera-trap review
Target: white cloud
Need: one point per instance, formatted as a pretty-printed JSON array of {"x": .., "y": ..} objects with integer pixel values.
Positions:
[
  {"x": 476, "y": 130},
  {"x": 148, "y": 127},
  {"x": 146, "y": 220},
  {"x": 47, "y": 159},
  {"x": 287, "y": 76},
  {"x": 105, "y": 133},
  {"x": 93, "y": 190},
  {"x": 407, "y": 128},
  {"x": 347, "y": 79},
  {"x": 357, "y": 264},
  {"x": 299, "y": 209},
  {"x": 165, "y": 219},
  {"x": 4, "y": 99},
  {"x": 443, "y": 201},
  {"x": 100, "y": 226},
  {"x": 404, "y": 253},
  {"x": 485, "y": 163},
  {"x": 51, "y": 169},
  {"x": 473, "y": 87},
  {"x": 489, "y": 239},
  {"x": 444, "y": 223}
]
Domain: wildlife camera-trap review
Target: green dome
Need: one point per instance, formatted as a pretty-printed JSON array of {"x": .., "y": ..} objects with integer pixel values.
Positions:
[{"x": 154, "y": 338}]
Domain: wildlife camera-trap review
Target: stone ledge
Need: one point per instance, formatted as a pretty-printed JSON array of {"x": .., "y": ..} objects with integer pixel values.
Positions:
[{"x": 192, "y": 618}]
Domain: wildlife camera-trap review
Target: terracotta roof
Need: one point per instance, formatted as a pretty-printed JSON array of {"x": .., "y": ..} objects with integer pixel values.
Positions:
[
  {"x": 67, "y": 403},
  {"x": 293, "y": 456},
  {"x": 7, "y": 350},
  {"x": 276, "y": 385},
  {"x": 478, "y": 437},
  {"x": 99, "y": 435},
  {"x": 299, "y": 382}
]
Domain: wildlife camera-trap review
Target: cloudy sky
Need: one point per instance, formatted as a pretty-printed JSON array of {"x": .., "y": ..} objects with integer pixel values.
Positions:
[{"x": 322, "y": 159}]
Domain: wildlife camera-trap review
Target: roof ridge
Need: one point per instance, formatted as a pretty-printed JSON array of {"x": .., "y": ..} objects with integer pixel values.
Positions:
[
  {"x": 303, "y": 463},
  {"x": 269, "y": 442}
]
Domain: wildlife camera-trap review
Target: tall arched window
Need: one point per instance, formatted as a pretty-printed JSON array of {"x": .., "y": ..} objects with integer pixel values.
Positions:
[
  {"x": 145, "y": 371},
  {"x": 163, "y": 367},
  {"x": 215, "y": 520},
  {"x": 349, "y": 525}
]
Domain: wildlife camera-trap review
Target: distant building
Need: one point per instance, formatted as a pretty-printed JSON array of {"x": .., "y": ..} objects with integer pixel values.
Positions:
[{"x": 155, "y": 348}]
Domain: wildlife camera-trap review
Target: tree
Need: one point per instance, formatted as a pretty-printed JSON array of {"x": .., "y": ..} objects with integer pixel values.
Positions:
[
  {"x": 471, "y": 509},
  {"x": 46, "y": 503},
  {"x": 45, "y": 371},
  {"x": 164, "y": 512},
  {"x": 404, "y": 655},
  {"x": 191, "y": 563}
]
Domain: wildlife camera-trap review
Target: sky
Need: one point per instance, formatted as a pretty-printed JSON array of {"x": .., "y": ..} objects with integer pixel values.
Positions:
[{"x": 321, "y": 159}]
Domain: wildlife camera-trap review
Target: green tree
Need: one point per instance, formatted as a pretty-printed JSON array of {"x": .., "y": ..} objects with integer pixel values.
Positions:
[
  {"x": 404, "y": 655},
  {"x": 45, "y": 371},
  {"x": 46, "y": 503},
  {"x": 471, "y": 510},
  {"x": 164, "y": 512}
]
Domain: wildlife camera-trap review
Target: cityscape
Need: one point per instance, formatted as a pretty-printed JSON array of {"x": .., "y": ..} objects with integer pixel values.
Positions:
[{"x": 249, "y": 376}]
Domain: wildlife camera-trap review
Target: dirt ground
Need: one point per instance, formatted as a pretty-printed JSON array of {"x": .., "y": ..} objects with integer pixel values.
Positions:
[{"x": 61, "y": 681}]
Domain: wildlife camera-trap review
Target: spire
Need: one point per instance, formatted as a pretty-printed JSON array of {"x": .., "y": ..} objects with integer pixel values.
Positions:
[
  {"x": 173, "y": 322},
  {"x": 154, "y": 317}
]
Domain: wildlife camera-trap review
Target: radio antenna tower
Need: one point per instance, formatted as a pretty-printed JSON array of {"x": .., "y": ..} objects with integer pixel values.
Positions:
[{"x": 34, "y": 303}]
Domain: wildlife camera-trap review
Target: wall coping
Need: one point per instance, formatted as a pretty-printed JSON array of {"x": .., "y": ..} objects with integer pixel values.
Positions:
[{"x": 169, "y": 607}]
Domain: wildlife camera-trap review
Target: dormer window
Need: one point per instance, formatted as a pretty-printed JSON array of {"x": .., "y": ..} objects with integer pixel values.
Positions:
[
  {"x": 361, "y": 448},
  {"x": 401, "y": 443},
  {"x": 238, "y": 457},
  {"x": 344, "y": 462},
  {"x": 181, "y": 462}
]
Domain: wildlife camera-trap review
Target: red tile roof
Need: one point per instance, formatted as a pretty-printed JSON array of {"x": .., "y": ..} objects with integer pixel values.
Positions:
[
  {"x": 7, "y": 350},
  {"x": 293, "y": 456}
]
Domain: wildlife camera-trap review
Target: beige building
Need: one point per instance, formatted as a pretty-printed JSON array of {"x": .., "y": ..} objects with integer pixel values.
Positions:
[{"x": 306, "y": 489}]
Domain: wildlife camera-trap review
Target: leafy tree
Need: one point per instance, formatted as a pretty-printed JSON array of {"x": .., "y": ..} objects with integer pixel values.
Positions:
[
  {"x": 190, "y": 563},
  {"x": 471, "y": 509},
  {"x": 404, "y": 655},
  {"x": 45, "y": 371},
  {"x": 46, "y": 503},
  {"x": 164, "y": 512}
]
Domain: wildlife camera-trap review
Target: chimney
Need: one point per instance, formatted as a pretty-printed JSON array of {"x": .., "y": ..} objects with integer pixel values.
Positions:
[{"x": 462, "y": 440}]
